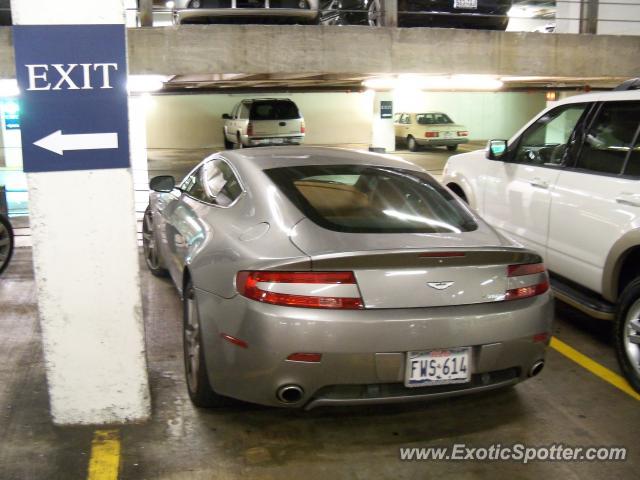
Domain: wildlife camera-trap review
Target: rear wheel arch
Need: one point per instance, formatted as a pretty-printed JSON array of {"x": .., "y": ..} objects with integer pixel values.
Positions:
[
  {"x": 622, "y": 265},
  {"x": 457, "y": 189}
]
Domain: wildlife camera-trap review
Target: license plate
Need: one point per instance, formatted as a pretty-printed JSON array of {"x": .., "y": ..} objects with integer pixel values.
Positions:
[
  {"x": 468, "y": 4},
  {"x": 438, "y": 367},
  {"x": 277, "y": 140},
  {"x": 448, "y": 134}
]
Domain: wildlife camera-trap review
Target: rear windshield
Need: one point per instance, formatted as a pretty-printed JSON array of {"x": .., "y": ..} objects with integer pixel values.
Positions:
[
  {"x": 372, "y": 199},
  {"x": 432, "y": 118},
  {"x": 274, "y": 110}
]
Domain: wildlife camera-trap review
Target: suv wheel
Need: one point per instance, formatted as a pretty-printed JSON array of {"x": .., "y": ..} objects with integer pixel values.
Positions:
[
  {"x": 627, "y": 333},
  {"x": 238, "y": 143},
  {"x": 227, "y": 144}
]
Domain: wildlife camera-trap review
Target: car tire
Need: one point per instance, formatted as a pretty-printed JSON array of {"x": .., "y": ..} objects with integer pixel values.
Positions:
[
  {"x": 6, "y": 242},
  {"x": 412, "y": 145},
  {"x": 238, "y": 145},
  {"x": 150, "y": 246},
  {"x": 628, "y": 326},
  {"x": 452, "y": 148},
  {"x": 227, "y": 144},
  {"x": 195, "y": 366}
]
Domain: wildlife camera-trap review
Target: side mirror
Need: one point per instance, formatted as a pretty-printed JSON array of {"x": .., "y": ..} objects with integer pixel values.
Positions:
[
  {"x": 496, "y": 149},
  {"x": 226, "y": 116},
  {"x": 162, "y": 184}
]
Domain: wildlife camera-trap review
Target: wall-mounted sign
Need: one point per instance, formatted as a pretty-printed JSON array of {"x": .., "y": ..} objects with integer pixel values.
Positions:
[
  {"x": 74, "y": 96},
  {"x": 10, "y": 113},
  {"x": 386, "y": 109}
]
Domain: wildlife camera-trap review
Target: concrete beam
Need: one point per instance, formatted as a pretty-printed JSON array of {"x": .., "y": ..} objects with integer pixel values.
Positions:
[{"x": 204, "y": 49}]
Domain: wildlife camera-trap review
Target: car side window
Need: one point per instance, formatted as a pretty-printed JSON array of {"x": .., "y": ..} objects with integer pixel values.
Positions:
[
  {"x": 406, "y": 119},
  {"x": 234, "y": 112},
  {"x": 545, "y": 141},
  {"x": 192, "y": 185},
  {"x": 221, "y": 185},
  {"x": 608, "y": 141},
  {"x": 244, "y": 111},
  {"x": 633, "y": 162},
  {"x": 396, "y": 117}
]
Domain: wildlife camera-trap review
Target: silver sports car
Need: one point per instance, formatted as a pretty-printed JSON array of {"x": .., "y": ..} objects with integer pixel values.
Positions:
[{"x": 318, "y": 276}]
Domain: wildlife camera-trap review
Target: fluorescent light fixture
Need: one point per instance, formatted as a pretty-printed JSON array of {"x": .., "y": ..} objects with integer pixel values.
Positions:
[
  {"x": 145, "y": 83},
  {"x": 9, "y": 88},
  {"x": 170, "y": 4},
  {"x": 435, "y": 82}
]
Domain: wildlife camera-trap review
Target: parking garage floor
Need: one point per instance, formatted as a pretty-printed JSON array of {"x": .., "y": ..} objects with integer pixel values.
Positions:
[{"x": 566, "y": 404}]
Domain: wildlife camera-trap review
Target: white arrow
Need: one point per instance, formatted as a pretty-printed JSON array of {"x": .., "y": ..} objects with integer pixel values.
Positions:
[{"x": 58, "y": 143}]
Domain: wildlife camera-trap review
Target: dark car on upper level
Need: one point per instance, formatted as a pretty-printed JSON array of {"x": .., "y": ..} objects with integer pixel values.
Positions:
[{"x": 483, "y": 14}]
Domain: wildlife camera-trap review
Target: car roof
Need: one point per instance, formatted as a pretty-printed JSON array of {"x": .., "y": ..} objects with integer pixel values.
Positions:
[
  {"x": 262, "y": 158},
  {"x": 602, "y": 97}
]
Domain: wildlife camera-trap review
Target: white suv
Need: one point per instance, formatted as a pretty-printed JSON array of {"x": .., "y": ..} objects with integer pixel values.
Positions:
[
  {"x": 263, "y": 121},
  {"x": 568, "y": 186}
]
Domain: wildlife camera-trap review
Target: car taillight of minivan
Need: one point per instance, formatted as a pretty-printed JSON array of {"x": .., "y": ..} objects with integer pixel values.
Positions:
[
  {"x": 249, "y": 129},
  {"x": 526, "y": 280},
  {"x": 337, "y": 290},
  {"x": 302, "y": 129}
]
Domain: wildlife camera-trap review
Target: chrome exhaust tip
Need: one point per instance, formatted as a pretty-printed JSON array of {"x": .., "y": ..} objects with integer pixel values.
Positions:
[
  {"x": 290, "y": 393},
  {"x": 536, "y": 368}
]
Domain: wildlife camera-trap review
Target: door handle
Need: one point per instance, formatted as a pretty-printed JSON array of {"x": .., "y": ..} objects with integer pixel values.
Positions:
[
  {"x": 628, "y": 199},
  {"x": 539, "y": 183}
]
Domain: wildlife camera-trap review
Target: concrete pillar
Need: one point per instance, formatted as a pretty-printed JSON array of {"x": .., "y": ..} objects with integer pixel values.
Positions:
[
  {"x": 382, "y": 134},
  {"x": 86, "y": 268},
  {"x": 390, "y": 13},
  {"x": 146, "y": 13}
]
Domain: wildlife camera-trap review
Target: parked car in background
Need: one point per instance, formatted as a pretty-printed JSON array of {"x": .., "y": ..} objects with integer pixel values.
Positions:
[
  {"x": 263, "y": 121},
  {"x": 432, "y": 129},
  {"x": 245, "y": 11},
  {"x": 568, "y": 186},
  {"x": 316, "y": 276},
  {"x": 486, "y": 14},
  {"x": 6, "y": 242}
]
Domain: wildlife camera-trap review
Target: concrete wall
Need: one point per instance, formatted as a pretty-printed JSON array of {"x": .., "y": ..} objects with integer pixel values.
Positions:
[{"x": 193, "y": 121}]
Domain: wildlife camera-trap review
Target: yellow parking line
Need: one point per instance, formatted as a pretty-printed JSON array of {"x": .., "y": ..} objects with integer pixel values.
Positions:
[
  {"x": 594, "y": 367},
  {"x": 105, "y": 455}
]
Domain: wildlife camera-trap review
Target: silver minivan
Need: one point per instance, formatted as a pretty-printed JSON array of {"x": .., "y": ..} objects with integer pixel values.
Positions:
[{"x": 263, "y": 121}]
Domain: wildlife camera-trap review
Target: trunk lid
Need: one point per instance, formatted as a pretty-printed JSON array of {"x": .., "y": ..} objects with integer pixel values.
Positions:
[
  {"x": 276, "y": 127},
  {"x": 416, "y": 270}
]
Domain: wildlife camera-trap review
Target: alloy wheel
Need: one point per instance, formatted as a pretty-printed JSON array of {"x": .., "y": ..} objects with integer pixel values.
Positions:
[
  {"x": 191, "y": 340},
  {"x": 374, "y": 14},
  {"x": 149, "y": 242},
  {"x": 632, "y": 336}
]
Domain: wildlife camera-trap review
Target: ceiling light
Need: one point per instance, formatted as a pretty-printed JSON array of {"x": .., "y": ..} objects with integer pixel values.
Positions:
[
  {"x": 435, "y": 82},
  {"x": 9, "y": 88},
  {"x": 145, "y": 83}
]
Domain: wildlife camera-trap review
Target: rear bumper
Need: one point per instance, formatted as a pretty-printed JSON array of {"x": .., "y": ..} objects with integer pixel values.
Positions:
[
  {"x": 275, "y": 140},
  {"x": 364, "y": 351},
  {"x": 440, "y": 142}
]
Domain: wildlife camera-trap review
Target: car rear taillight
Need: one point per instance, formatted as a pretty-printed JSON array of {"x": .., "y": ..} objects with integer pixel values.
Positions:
[
  {"x": 526, "y": 280},
  {"x": 337, "y": 290},
  {"x": 431, "y": 134},
  {"x": 463, "y": 133},
  {"x": 302, "y": 129},
  {"x": 249, "y": 129}
]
